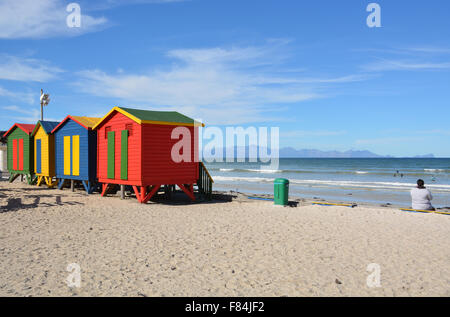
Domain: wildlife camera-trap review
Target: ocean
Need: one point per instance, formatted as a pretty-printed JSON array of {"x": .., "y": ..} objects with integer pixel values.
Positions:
[{"x": 374, "y": 180}]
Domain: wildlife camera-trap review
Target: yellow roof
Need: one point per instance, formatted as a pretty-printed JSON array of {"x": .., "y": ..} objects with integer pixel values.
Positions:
[{"x": 87, "y": 121}]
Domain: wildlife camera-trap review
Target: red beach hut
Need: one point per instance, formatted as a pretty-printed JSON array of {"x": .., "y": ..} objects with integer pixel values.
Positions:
[{"x": 134, "y": 147}]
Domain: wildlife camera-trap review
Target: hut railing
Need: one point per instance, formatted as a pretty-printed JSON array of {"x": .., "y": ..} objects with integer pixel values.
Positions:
[{"x": 204, "y": 182}]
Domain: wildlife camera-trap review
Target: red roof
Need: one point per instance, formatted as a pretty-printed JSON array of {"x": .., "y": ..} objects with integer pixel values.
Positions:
[{"x": 27, "y": 128}]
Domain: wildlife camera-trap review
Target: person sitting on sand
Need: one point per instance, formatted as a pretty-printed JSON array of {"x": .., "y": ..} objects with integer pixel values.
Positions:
[{"x": 421, "y": 197}]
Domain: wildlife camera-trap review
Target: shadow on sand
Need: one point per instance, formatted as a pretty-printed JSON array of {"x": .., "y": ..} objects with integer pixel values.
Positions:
[
  {"x": 180, "y": 198},
  {"x": 15, "y": 204}
]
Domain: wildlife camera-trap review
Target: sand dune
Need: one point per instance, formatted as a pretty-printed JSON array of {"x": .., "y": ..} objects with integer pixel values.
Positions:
[{"x": 239, "y": 248}]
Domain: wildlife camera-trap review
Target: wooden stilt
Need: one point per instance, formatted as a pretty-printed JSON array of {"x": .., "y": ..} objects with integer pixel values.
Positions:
[
  {"x": 53, "y": 183},
  {"x": 141, "y": 193},
  {"x": 122, "y": 191},
  {"x": 168, "y": 191},
  {"x": 92, "y": 186},
  {"x": 189, "y": 192},
  {"x": 13, "y": 177},
  {"x": 104, "y": 189},
  {"x": 72, "y": 185},
  {"x": 31, "y": 179},
  {"x": 86, "y": 186},
  {"x": 61, "y": 183},
  {"x": 152, "y": 192},
  {"x": 136, "y": 192},
  {"x": 49, "y": 181}
]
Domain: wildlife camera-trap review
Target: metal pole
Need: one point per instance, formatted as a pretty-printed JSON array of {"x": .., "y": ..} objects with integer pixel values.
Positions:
[{"x": 42, "y": 107}]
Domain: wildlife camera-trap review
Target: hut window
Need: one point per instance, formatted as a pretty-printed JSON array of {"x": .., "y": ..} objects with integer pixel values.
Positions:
[
  {"x": 129, "y": 128},
  {"x": 107, "y": 129}
]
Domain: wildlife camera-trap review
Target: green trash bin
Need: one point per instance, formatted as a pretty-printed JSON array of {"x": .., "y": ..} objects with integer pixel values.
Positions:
[{"x": 281, "y": 191}]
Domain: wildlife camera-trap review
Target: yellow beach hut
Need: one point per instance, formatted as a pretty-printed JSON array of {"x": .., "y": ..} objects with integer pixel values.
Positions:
[{"x": 44, "y": 152}]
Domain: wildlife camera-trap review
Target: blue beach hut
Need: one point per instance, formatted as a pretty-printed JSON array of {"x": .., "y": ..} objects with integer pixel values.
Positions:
[{"x": 76, "y": 152}]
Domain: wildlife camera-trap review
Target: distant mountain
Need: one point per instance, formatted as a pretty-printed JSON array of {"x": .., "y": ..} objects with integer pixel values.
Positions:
[
  {"x": 289, "y": 152},
  {"x": 425, "y": 156}
]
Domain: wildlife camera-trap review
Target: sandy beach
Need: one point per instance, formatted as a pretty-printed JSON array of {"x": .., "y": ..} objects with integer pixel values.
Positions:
[{"x": 223, "y": 248}]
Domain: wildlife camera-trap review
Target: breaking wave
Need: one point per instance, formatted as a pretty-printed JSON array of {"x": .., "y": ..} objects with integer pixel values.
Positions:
[{"x": 330, "y": 183}]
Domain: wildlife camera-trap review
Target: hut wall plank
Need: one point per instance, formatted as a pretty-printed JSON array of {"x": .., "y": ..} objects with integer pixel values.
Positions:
[
  {"x": 71, "y": 129},
  {"x": 117, "y": 123},
  {"x": 158, "y": 165},
  {"x": 18, "y": 134}
]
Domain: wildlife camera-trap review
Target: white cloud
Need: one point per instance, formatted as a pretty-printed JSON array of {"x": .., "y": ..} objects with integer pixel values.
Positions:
[
  {"x": 21, "y": 115},
  {"x": 220, "y": 55},
  {"x": 408, "y": 50},
  {"x": 435, "y": 131},
  {"x": 28, "y": 115},
  {"x": 26, "y": 69},
  {"x": 221, "y": 85},
  {"x": 311, "y": 133},
  {"x": 16, "y": 109},
  {"x": 109, "y": 4},
  {"x": 388, "y": 140},
  {"x": 27, "y": 97},
  {"x": 6, "y": 93},
  {"x": 390, "y": 65},
  {"x": 430, "y": 50},
  {"x": 41, "y": 19}
]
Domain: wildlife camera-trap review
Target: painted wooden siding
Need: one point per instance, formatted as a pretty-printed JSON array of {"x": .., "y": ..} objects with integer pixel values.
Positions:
[
  {"x": 92, "y": 156},
  {"x": 117, "y": 123},
  {"x": 27, "y": 157},
  {"x": 21, "y": 154},
  {"x": 15, "y": 154},
  {"x": 157, "y": 164},
  {"x": 47, "y": 153},
  {"x": 85, "y": 154},
  {"x": 76, "y": 155}
]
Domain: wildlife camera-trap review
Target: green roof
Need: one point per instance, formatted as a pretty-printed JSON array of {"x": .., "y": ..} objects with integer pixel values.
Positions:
[{"x": 162, "y": 116}]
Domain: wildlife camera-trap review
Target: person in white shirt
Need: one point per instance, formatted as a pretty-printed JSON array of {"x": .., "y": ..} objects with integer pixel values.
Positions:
[{"x": 421, "y": 197}]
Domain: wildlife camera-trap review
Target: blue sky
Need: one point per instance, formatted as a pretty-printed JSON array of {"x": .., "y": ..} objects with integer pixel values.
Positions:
[{"x": 313, "y": 68}]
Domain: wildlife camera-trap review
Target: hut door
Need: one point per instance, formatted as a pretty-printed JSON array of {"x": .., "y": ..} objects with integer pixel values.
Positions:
[
  {"x": 67, "y": 155},
  {"x": 38, "y": 156},
  {"x": 20, "y": 154},
  {"x": 124, "y": 155},
  {"x": 111, "y": 154},
  {"x": 17, "y": 154},
  {"x": 72, "y": 155}
]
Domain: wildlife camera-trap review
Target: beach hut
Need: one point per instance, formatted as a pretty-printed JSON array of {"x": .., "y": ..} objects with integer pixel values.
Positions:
[
  {"x": 134, "y": 147},
  {"x": 3, "y": 155},
  {"x": 44, "y": 152},
  {"x": 76, "y": 152},
  {"x": 3, "y": 159},
  {"x": 20, "y": 151}
]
